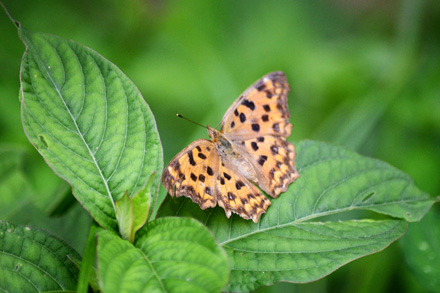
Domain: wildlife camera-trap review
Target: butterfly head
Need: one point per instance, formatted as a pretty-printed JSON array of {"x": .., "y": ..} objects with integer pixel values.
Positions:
[{"x": 213, "y": 134}]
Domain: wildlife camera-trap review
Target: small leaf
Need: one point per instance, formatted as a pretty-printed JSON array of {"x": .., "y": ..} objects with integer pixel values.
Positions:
[
  {"x": 33, "y": 260},
  {"x": 332, "y": 181},
  {"x": 169, "y": 255},
  {"x": 89, "y": 122},
  {"x": 421, "y": 248},
  {"x": 142, "y": 207},
  {"x": 124, "y": 215}
]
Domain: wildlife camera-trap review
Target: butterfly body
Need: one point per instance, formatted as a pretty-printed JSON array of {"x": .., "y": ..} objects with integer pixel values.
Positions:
[
  {"x": 232, "y": 154},
  {"x": 249, "y": 149}
]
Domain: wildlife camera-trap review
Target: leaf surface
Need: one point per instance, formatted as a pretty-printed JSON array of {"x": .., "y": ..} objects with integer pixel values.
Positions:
[
  {"x": 33, "y": 260},
  {"x": 421, "y": 247},
  {"x": 333, "y": 181},
  {"x": 169, "y": 255},
  {"x": 89, "y": 122}
]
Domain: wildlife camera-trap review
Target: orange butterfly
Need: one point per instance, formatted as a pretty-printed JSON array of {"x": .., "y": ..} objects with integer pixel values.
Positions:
[{"x": 250, "y": 147}]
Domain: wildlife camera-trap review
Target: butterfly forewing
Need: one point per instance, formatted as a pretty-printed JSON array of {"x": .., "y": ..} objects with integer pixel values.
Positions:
[
  {"x": 261, "y": 110},
  {"x": 193, "y": 173}
]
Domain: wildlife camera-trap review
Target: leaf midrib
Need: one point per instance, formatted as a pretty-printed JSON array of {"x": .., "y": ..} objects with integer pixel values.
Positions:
[
  {"x": 306, "y": 218},
  {"x": 30, "y": 45}
]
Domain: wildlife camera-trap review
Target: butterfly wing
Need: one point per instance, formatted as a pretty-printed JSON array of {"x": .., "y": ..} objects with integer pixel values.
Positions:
[
  {"x": 193, "y": 173},
  {"x": 199, "y": 173},
  {"x": 261, "y": 110},
  {"x": 236, "y": 194},
  {"x": 257, "y": 124},
  {"x": 273, "y": 159}
]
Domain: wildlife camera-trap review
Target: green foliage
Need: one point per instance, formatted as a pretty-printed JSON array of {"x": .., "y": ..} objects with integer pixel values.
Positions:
[
  {"x": 360, "y": 78},
  {"x": 14, "y": 187},
  {"x": 281, "y": 245},
  {"x": 33, "y": 260},
  {"x": 420, "y": 246},
  {"x": 169, "y": 255},
  {"x": 88, "y": 121}
]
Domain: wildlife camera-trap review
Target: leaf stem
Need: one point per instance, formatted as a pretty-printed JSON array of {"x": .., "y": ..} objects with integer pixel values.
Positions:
[{"x": 14, "y": 21}]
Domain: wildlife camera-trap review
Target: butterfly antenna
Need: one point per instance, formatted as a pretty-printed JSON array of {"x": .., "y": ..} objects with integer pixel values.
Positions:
[{"x": 180, "y": 116}]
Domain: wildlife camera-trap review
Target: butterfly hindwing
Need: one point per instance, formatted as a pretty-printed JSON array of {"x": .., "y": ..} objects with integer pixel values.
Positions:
[
  {"x": 236, "y": 194},
  {"x": 273, "y": 159},
  {"x": 261, "y": 110},
  {"x": 193, "y": 173}
]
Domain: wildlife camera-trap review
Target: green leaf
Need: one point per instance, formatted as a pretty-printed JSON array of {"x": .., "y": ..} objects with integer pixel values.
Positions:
[
  {"x": 124, "y": 215},
  {"x": 332, "y": 181},
  {"x": 33, "y": 260},
  {"x": 142, "y": 207},
  {"x": 421, "y": 248},
  {"x": 89, "y": 122},
  {"x": 304, "y": 252},
  {"x": 169, "y": 255}
]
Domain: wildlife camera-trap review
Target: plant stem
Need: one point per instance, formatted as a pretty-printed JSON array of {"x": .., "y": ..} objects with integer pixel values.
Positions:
[{"x": 17, "y": 23}]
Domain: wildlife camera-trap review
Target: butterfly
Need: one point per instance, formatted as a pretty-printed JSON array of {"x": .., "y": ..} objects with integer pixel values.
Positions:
[{"x": 250, "y": 149}]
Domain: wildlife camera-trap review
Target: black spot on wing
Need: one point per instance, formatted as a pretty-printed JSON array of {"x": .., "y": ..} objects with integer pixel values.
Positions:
[
  {"x": 227, "y": 176},
  {"x": 248, "y": 104},
  {"x": 254, "y": 146},
  {"x": 265, "y": 118},
  {"x": 193, "y": 177},
  {"x": 191, "y": 158},
  {"x": 201, "y": 156},
  {"x": 266, "y": 108},
  {"x": 239, "y": 184},
  {"x": 260, "y": 86},
  {"x": 202, "y": 178},
  {"x": 242, "y": 117},
  {"x": 210, "y": 172},
  {"x": 262, "y": 160},
  {"x": 256, "y": 127}
]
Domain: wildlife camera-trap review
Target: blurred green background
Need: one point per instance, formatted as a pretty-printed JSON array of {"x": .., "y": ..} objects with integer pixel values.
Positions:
[{"x": 364, "y": 74}]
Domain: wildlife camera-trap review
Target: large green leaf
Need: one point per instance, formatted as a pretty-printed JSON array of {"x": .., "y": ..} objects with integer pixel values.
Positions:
[
  {"x": 33, "y": 260},
  {"x": 421, "y": 246},
  {"x": 304, "y": 252},
  {"x": 89, "y": 122},
  {"x": 169, "y": 255},
  {"x": 332, "y": 180}
]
